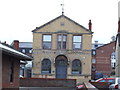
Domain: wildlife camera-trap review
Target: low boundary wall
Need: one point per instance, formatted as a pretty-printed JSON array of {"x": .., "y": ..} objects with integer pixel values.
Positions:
[{"x": 47, "y": 82}]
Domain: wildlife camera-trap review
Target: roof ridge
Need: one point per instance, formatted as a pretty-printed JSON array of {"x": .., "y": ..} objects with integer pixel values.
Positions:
[{"x": 106, "y": 44}]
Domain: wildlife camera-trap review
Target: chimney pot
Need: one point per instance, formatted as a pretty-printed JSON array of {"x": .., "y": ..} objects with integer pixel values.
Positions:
[
  {"x": 16, "y": 44},
  {"x": 90, "y": 25},
  {"x": 4, "y": 42}
]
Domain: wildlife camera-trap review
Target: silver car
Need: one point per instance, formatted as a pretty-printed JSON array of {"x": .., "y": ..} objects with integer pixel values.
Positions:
[{"x": 116, "y": 84}]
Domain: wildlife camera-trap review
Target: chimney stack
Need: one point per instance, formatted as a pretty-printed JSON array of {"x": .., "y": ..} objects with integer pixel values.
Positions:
[
  {"x": 90, "y": 25},
  {"x": 16, "y": 44}
]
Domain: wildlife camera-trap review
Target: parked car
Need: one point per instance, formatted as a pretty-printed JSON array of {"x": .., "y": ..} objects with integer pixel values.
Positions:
[
  {"x": 98, "y": 75},
  {"x": 115, "y": 84},
  {"x": 109, "y": 80},
  {"x": 20, "y": 76}
]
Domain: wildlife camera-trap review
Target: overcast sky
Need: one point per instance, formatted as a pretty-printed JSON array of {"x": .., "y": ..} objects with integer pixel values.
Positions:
[{"x": 19, "y": 17}]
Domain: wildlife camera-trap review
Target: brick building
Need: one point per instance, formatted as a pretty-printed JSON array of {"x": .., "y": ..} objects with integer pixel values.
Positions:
[
  {"x": 101, "y": 58},
  {"x": 10, "y": 66},
  {"x": 62, "y": 49}
]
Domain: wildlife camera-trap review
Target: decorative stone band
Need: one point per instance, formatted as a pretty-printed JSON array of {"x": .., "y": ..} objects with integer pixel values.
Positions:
[
  {"x": 68, "y": 74},
  {"x": 63, "y": 52}
]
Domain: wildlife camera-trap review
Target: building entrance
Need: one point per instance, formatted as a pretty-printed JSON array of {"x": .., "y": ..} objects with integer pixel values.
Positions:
[{"x": 61, "y": 67}]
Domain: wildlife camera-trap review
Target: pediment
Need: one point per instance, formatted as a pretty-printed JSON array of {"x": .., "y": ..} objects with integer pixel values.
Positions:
[{"x": 62, "y": 24}]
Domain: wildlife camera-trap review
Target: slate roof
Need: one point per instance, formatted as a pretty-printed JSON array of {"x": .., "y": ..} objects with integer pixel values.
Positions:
[
  {"x": 106, "y": 44},
  {"x": 25, "y": 44},
  {"x": 98, "y": 45},
  {"x": 10, "y": 51},
  {"x": 58, "y": 18}
]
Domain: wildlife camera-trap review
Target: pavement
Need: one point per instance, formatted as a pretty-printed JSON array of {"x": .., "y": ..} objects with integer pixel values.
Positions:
[{"x": 46, "y": 88}]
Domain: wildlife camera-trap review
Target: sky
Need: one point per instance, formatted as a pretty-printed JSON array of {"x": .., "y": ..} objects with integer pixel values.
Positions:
[{"x": 19, "y": 17}]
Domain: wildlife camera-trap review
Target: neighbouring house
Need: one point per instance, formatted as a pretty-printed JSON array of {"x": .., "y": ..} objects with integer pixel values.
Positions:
[
  {"x": 10, "y": 66},
  {"x": 26, "y": 67},
  {"x": 25, "y": 47},
  {"x": 102, "y": 58},
  {"x": 62, "y": 49},
  {"x": 95, "y": 45}
]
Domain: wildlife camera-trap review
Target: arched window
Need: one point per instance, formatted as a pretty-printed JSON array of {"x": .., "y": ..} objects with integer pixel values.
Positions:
[
  {"x": 46, "y": 66},
  {"x": 76, "y": 67}
]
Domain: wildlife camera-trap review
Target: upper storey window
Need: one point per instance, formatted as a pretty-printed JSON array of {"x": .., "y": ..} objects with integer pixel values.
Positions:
[
  {"x": 47, "y": 41},
  {"x": 62, "y": 39},
  {"x": 76, "y": 42}
]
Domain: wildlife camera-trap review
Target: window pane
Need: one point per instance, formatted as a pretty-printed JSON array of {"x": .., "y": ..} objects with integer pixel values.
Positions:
[
  {"x": 64, "y": 45},
  {"x": 46, "y": 41},
  {"x": 94, "y": 52},
  {"x": 64, "y": 38},
  {"x": 30, "y": 51},
  {"x": 59, "y": 38},
  {"x": 46, "y": 45},
  {"x": 59, "y": 45},
  {"x": 76, "y": 45},
  {"x": 76, "y": 38},
  {"x": 47, "y": 38},
  {"x": 23, "y": 50},
  {"x": 93, "y": 61}
]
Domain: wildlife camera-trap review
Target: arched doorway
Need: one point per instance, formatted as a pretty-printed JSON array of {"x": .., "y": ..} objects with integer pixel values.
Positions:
[{"x": 61, "y": 63}]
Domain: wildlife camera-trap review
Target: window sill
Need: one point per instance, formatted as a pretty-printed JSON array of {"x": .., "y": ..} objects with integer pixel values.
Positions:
[
  {"x": 77, "y": 49},
  {"x": 46, "y": 49},
  {"x": 79, "y": 75},
  {"x": 45, "y": 73},
  {"x": 75, "y": 74}
]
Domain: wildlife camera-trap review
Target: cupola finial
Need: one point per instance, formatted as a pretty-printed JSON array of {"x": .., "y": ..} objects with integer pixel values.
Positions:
[{"x": 62, "y": 8}]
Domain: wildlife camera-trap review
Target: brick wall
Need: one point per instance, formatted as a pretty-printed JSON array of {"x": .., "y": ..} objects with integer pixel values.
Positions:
[
  {"x": 6, "y": 72},
  {"x": 47, "y": 82},
  {"x": 103, "y": 58}
]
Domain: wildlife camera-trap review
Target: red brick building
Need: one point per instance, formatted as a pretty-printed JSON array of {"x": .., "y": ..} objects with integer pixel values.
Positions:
[
  {"x": 101, "y": 59},
  {"x": 10, "y": 67}
]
